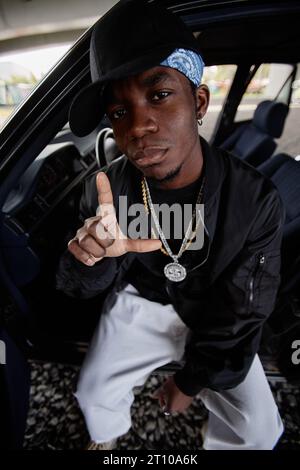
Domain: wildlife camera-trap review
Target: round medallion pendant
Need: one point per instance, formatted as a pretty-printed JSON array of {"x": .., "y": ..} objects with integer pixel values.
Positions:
[{"x": 175, "y": 272}]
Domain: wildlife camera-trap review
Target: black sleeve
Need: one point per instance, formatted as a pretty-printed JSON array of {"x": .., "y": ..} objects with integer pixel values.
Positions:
[
  {"x": 222, "y": 347},
  {"x": 75, "y": 278}
]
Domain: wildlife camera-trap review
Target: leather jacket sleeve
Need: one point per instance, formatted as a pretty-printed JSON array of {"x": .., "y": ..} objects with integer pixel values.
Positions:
[{"x": 222, "y": 347}]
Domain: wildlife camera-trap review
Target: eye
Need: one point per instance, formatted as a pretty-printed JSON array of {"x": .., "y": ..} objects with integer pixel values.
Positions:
[
  {"x": 117, "y": 114},
  {"x": 160, "y": 95}
]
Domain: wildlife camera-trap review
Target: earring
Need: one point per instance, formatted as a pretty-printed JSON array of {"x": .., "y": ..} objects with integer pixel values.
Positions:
[{"x": 200, "y": 122}]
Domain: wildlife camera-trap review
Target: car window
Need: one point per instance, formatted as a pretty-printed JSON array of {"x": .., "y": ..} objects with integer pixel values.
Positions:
[
  {"x": 219, "y": 79},
  {"x": 289, "y": 142},
  {"x": 20, "y": 72},
  {"x": 265, "y": 85},
  {"x": 268, "y": 84}
]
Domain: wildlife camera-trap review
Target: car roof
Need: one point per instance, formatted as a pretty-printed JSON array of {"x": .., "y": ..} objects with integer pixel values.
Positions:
[{"x": 264, "y": 31}]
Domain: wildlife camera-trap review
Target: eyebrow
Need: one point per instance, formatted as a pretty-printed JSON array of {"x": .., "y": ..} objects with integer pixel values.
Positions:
[
  {"x": 156, "y": 78},
  {"x": 151, "y": 80}
]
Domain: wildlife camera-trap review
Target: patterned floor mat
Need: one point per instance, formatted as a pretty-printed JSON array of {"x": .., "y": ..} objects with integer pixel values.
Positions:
[{"x": 55, "y": 421}]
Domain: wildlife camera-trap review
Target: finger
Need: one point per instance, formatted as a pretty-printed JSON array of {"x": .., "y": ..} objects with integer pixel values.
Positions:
[
  {"x": 88, "y": 222},
  {"x": 162, "y": 401},
  {"x": 159, "y": 395},
  {"x": 105, "y": 209},
  {"x": 102, "y": 236},
  {"x": 109, "y": 221},
  {"x": 156, "y": 394},
  {"x": 80, "y": 254},
  {"x": 107, "y": 238},
  {"x": 91, "y": 246},
  {"x": 105, "y": 196},
  {"x": 142, "y": 246}
]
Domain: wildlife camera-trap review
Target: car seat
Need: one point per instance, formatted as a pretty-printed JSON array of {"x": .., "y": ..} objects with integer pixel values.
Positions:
[{"x": 254, "y": 140}]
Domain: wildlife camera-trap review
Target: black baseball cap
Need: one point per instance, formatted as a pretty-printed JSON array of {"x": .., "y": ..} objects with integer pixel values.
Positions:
[{"x": 131, "y": 37}]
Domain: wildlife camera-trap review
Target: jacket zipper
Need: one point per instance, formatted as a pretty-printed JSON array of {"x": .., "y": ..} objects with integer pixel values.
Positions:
[{"x": 261, "y": 262}]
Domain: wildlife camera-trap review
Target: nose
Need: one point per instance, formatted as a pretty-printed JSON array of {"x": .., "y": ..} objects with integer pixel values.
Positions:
[{"x": 142, "y": 122}]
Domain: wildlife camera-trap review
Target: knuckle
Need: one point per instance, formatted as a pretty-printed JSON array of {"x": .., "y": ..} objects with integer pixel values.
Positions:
[
  {"x": 84, "y": 241},
  {"x": 81, "y": 232},
  {"x": 71, "y": 245},
  {"x": 92, "y": 220},
  {"x": 92, "y": 229},
  {"x": 92, "y": 246},
  {"x": 71, "y": 242},
  {"x": 99, "y": 252}
]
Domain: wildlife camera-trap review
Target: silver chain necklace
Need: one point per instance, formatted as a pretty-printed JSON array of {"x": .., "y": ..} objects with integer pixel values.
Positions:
[{"x": 174, "y": 271}]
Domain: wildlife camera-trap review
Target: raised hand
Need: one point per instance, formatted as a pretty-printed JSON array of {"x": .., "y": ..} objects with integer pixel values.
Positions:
[{"x": 101, "y": 236}]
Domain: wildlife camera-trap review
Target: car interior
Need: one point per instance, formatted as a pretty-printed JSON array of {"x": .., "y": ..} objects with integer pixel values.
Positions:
[
  {"x": 254, "y": 142},
  {"x": 44, "y": 166}
]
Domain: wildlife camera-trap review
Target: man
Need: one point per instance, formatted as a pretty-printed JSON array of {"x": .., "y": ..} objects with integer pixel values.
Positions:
[{"x": 167, "y": 302}]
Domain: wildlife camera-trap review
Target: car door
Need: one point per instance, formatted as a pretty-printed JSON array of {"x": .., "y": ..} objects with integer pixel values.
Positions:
[{"x": 25, "y": 135}]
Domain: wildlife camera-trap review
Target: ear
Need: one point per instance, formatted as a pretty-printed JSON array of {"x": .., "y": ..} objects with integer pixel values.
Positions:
[{"x": 202, "y": 100}]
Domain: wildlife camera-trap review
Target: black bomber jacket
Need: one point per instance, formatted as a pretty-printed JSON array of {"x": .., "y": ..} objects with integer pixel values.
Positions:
[{"x": 235, "y": 289}]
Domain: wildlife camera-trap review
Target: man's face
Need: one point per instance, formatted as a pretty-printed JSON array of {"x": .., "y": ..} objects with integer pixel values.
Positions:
[{"x": 154, "y": 119}]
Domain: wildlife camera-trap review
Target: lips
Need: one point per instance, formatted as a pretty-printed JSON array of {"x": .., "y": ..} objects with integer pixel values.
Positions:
[{"x": 149, "y": 155}]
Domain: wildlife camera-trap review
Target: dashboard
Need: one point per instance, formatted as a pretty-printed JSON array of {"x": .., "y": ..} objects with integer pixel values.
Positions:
[
  {"x": 47, "y": 181},
  {"x": 41, "y": 211}
]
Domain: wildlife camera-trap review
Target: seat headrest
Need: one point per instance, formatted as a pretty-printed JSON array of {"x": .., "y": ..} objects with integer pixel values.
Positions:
[{"x": 270, "y": 117}]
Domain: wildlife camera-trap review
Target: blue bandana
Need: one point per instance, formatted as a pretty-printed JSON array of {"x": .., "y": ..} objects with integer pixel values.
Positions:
[{"x": 187, "y": 62}]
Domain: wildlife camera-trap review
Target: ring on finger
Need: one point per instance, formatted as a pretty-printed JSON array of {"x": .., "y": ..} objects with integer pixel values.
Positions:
[{"x": 92, "y": 258}]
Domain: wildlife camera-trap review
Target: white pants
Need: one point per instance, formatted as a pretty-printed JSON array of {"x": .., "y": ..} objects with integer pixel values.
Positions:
[{"x": 137, "y": 336}]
